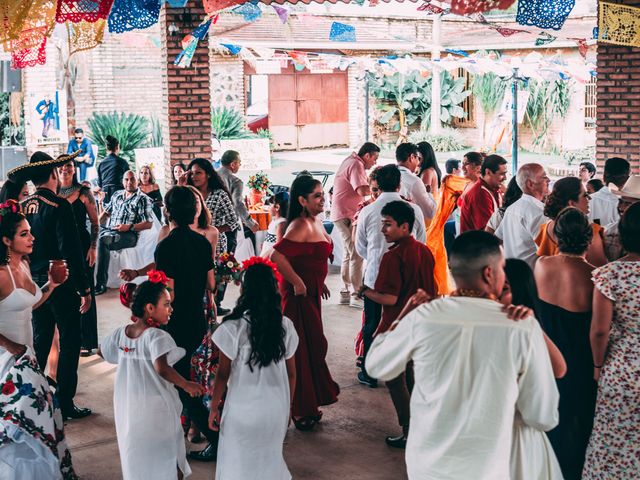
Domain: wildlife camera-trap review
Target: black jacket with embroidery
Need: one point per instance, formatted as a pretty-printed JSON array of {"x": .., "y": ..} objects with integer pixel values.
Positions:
[{"x": 56, "y": 236}]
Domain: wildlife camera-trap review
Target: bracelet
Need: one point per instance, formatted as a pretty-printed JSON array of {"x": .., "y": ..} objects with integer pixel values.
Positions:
[{"x": 598, "y": 366}]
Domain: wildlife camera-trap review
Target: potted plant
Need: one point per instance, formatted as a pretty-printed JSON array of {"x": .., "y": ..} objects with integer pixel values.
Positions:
[{"x": 259, "y": 184}]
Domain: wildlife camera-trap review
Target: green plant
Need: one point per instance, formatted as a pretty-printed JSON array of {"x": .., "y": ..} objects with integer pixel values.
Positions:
[
  {"x": 546, "y": 101},
  {"x": 10, "y": 134},
  {"x": 575, "y": 157},
  {"x": 155, "y": 135},
  {"x": 228, "y": 124},
  {"x": 488, "y": 90},
  {"x": 259, "y": 182},
  {"x": 449, "y": 140},
  {"x": 264, "y": 133},
  {"x": 131, "y": 131}
]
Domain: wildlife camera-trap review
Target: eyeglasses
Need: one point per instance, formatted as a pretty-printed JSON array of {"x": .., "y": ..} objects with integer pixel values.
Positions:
[{"x": 78, "y": 138}]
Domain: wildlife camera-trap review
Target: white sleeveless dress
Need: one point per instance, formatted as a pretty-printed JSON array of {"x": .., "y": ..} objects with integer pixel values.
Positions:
[{"x": 31, "y": 430}]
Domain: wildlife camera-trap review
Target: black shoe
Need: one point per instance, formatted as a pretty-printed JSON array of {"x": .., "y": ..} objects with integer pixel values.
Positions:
[
  {"x": 223, "y": 311},
  {"x": 365, "y": 379},
  {"x": 397, "y": 442},
  {"x": 99, "y": 290},
  {"x": 207, "y": 454},
  {"x": 75, "y": 412}
]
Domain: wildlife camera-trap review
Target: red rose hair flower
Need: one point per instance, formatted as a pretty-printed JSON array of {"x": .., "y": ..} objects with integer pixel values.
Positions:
[
  {"x": 126, "y": 293},
  {"x": 262, "y": 261},
  {"x": 158, "y": 276}
]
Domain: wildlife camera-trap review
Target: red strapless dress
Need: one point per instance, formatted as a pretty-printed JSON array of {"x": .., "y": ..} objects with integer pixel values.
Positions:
[{"x": 314, "y": 385}]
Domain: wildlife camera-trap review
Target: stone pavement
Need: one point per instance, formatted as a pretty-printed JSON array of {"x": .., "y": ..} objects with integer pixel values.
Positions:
[{"x": 347, "y": 445}]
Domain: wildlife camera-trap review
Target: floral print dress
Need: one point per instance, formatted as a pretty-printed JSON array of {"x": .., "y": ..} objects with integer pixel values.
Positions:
[{"x": 614, "y": 447}]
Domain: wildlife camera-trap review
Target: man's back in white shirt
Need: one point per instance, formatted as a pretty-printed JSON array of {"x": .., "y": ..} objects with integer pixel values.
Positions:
[
  {"x": 412, "y": 188},
  {"x": 370, "y": 242},
  {"x": 473, "y": 369},
  {"x": 603, "y": 207}
]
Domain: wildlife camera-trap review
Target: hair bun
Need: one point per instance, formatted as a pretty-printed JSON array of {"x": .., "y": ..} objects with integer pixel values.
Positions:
[{"x": 126, "y": 294}]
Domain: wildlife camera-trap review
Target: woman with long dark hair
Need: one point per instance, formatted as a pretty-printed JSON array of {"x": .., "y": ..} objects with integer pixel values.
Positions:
[
  {"x": 569, "y": 192},
  {"x": 13, "y": 191},
  {"x": 302, "y": 258},
  {"x": 428, "y": 170},
  {"x": 85, "y": 211},
  {"x": 258, "y": 371},
  {"x": 511, "y": 196}
]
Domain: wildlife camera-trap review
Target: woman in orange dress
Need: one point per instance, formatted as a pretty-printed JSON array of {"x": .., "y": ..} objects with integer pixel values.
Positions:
[{"x": 569, "y": 192}]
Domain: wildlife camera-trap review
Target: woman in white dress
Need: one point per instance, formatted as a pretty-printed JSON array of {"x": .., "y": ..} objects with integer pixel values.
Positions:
[
  {"x": 146, "y": 404},
  {"x": 257, "y": 369},
  {"x": 32, "y": 441},
  {"x": 532, "y": 457}
]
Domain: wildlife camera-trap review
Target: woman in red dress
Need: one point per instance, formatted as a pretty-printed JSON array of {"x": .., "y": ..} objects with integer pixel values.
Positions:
[{"x": 302, "y": 257}]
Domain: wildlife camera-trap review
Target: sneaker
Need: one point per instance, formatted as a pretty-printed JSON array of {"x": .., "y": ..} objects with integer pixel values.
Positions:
[
  {"x": 345, "y": 297},
  {"x": 355, "y": 302},
  {"x": 365, "y": 379}
]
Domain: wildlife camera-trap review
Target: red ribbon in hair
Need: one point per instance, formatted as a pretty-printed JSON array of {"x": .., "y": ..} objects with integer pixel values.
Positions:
[
  {"x": 262, "y": 261},
  {"x": 126, "y": 294}
]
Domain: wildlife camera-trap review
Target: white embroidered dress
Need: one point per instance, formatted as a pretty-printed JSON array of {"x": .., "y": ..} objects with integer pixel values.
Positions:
[{"x": 146, "y": 407}]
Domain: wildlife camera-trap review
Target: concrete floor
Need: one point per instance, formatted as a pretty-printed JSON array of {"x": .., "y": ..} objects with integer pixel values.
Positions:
[{"x": 348, "y": 443}]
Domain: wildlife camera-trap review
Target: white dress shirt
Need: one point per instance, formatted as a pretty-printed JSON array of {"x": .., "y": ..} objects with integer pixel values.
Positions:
[
  {"x": 519, "y": 228},
  {"x": 370, "y": 242},
  {"x": 412, "y": 188},
  {"x": 603, "y": 207},
  {"x": 474, "y": 368}
]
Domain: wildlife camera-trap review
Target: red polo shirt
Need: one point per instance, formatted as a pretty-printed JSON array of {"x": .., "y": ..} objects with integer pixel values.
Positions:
[
  {"x": 477, "y": 204},
  {"x": 407, "y": 266}
]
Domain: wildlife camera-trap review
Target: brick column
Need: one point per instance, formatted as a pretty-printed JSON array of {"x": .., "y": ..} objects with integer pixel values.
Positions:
[
  {"x": 186, "y": 112},
  {"x": 618, "y": 113}
]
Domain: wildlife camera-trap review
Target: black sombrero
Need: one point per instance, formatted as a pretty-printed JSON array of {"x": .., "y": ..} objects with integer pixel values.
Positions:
[{"x": 39, "y": 161}]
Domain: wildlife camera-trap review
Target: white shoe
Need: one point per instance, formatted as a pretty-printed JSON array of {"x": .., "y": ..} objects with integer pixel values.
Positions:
[
  {"x": 355, "y": 302},
  {"x": 345, "y": 297}
]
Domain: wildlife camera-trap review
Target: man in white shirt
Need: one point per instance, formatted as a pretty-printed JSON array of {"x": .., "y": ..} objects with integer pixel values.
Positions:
[
  {"x": 411, "y": 186},
  {"x": 522, "y": 220},
  {"x": 474, "y": 368},
  {"x": 371, "y": 245},
  {"x": 603, "y": 207}
]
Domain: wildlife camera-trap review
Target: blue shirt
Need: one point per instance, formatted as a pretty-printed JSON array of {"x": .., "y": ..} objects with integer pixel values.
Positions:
[{"x": 85, "y": 148}]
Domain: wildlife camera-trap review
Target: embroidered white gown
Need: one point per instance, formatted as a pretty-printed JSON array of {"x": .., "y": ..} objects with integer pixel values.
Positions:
[{"x": 146, "y": 407}]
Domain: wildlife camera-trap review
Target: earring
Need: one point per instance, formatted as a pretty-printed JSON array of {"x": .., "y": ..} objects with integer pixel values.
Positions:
[{"x": 8, "y": 258}]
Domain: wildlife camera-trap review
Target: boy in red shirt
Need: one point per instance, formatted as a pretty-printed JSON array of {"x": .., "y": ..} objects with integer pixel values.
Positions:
[{"x": 405, "y": 268}]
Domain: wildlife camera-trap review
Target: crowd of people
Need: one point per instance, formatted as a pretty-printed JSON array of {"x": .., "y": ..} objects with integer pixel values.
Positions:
[{"x": 502, "y": 317}]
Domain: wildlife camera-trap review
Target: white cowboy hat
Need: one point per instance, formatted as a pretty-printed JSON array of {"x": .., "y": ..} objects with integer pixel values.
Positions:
[{"x": 631, "y": 189}]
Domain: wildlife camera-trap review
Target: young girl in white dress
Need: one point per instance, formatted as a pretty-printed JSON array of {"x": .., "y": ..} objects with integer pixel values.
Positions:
[
  {"x": 257, "y": 369},
  {"x": 278, "y": 208},
  {"x": 146, "y": 404}
]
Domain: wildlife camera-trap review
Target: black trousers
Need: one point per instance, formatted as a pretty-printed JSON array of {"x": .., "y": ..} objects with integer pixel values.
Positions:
[
  {"x": 372, "y": 316},
  {"x": 89, "y": 320},
  {"x": 61, "y": 310},
  {"x": 196, "y": 410},
  {"x": 232, "y": 243}
]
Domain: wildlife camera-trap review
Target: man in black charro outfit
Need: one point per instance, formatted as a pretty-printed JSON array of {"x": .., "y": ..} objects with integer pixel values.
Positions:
[{"x": 56, "y": 237}]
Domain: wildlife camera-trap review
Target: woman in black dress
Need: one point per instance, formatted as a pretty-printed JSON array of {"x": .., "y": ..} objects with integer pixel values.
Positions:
[
  {"x": 86, "y": 216},
  {"x": 148, "y": 185}
]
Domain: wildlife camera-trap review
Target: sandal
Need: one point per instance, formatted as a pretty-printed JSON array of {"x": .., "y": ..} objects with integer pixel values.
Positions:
[{"x": 305, "y": 424}]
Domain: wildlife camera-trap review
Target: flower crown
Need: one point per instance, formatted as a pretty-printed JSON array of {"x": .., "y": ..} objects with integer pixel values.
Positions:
[
  {"x": 262, "y": 261},
  {"x": 10, "y": 206},
  {"x": 158, "y": 276}
]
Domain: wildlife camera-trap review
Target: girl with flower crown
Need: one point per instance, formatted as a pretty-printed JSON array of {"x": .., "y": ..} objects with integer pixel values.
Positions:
[
  {"x": 257, "y": 371},
  {"x": 146, "y": 404}
]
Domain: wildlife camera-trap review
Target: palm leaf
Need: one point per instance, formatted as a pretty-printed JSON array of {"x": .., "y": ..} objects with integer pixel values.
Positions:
[{"x": 131, "y": 131}]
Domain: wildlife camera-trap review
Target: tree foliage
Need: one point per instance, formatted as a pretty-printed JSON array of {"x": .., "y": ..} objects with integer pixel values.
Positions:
[{"x": 131, "y": 131}]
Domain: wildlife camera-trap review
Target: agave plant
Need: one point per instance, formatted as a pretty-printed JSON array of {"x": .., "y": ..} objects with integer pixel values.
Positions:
[
  {"x": 228, "y": 124},
  {"x": 155, "y": 135},
  {"x": 131, "y": 131}
]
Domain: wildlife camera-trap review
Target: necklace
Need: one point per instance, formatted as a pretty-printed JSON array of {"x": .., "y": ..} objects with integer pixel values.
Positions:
[
  {"x": 467, "y": 292},
  {"x": 67, "y": 191},
  {"x": 571, "y": 255}
]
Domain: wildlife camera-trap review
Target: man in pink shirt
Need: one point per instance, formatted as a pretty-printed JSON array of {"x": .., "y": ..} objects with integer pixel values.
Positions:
[{"x": 350, "y": 187}]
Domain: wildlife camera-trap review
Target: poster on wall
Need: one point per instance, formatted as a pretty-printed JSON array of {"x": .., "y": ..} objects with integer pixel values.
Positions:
[{"x": 47, "y": 113}]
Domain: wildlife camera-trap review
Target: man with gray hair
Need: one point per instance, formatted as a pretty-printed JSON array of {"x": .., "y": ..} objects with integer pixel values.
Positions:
[
  {"x": 522, "y": 220},
  {"x": 475, "y": 370}
]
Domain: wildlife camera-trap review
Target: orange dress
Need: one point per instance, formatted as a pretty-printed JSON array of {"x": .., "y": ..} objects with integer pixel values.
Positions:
[
  {"x": 548, "y": 247},
  {"x": 450, "y": 190}
]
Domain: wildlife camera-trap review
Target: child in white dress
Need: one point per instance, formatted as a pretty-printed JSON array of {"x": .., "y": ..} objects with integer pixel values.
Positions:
[
  {"x": 257, "y": 369},
  {"x": 146, "y": 404},
  {"x": 278, "y": 208}
]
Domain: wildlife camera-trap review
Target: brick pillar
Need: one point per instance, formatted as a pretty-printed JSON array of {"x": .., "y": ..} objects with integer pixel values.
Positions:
[
  {"x": 186, "y": 112},
  {"x": 618, "y": 113}
]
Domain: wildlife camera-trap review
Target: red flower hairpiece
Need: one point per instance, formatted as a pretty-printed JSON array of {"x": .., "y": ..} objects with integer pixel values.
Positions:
[
  {"x": 262, "y": 261},
  {"x": 10, "y": 206},
  {"x": 126, "y": 294},
  {"x": 158, "y": 276}
]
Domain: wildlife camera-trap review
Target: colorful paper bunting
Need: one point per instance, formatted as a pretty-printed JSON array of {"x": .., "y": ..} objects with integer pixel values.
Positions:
[
  {"x": 213, "y": 6},
  {"x": 457, "y": 52},
  {"x": 544, "y": 13},
  {"x": 233, "y": 49},
  {"x": 342, "y": 32},
  {"x": 583, "y": 48},
  {"x": 83, "y": 10},
  {"x": 507, "y": 32},
  {"x": 177, "y": 3},
  {"x": 38, "y": 25},
  {"x": 544, "y": 39},
  {"x": 30, "y": 57},
  {"x": 249, "y": 11},
  {"x": 190, "y": 42},
  {"x": 431, "y": 9},
  {"x": 595, "y": 32},
  {"x": 619, "y": 24},
  {"x": 465, "y": 7},
  {"x": 85, "y": 35},
  {"x": 129, "y": 15},
  {"x": 282, "y": 13}
]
